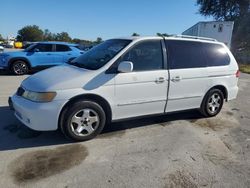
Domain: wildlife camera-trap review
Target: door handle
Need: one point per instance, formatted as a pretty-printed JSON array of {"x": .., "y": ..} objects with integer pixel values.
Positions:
[
  {"x": 69, "y": 54},
  {"x": 48, "y": 54},
  {"x": 160, "y": 80},
  {"x": 176, "y": 79}
]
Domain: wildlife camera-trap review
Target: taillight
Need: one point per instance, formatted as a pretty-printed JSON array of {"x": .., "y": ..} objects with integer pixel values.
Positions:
[{"x": 237, "y": 74}]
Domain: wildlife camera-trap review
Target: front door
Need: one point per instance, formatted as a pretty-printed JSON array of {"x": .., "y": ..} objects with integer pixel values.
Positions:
[
  {"x": 42, "y": 55},
  {"x": 143, "y": 91}
]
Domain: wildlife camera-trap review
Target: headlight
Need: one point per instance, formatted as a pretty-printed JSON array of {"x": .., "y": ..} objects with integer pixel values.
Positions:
[{"x": 39, "y": 97}]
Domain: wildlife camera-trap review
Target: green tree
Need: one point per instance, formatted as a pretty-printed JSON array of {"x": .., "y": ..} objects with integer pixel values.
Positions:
[
  {"x": 82, "y": 42},
  {"x": 1, "y": 38},
  {"x": 63, "y": 36},
  {"x": 242, "y": 37},
  {"x": 48, "y": 36},
  {"x": 230, "y": 10},
  {"x": 135, "y": 35},
  {"x": 30, "y": 33},
  {"x": 76, "y": 40},
  {"x": 98, "y": 40}
]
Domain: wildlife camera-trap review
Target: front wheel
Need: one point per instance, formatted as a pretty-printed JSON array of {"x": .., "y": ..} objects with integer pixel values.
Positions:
[
  {"x": 212, "y": 103},
  {"x": 19, "y": 67},
  {"x": 83, "y": 120}
]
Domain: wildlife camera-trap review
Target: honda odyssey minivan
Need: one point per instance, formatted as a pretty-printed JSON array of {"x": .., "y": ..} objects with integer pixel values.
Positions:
[{"x": 125, "y": 78}]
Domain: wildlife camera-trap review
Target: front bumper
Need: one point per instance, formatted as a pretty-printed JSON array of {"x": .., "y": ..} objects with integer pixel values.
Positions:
[
  {"x": 3, "y": 68},
  {"x": 232, "y": 93},
  {"x": 3, "y": 63},
  {"x": 37, "y": 116}
]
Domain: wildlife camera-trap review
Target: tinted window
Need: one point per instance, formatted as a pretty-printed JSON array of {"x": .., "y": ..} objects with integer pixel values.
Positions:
[
  {"x": 146, "y": 55},
  {"x": 216, "y": 54},
  {"x": 44, "y": 47},
  {"x": 29, "y": 47},
  {"x": 62, "y": 48},
  {"x": 185, "y": 54}
]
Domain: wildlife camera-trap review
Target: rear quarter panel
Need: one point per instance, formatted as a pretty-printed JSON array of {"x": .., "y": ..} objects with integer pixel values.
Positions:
[{"x": 225, "y": 76}]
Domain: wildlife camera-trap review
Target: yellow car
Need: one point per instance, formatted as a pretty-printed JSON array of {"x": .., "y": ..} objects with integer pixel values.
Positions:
[{"x": 18, "y": 44}]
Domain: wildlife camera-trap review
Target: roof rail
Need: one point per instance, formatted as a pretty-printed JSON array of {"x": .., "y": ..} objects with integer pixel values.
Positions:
[{"x": 193, "y": 37}]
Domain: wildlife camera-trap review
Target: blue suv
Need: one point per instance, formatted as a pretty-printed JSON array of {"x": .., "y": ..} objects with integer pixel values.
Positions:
[{"x": 39, "y": 55}]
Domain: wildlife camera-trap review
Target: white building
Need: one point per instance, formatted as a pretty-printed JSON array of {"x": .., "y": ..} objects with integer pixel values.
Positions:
[
  {"x": 219, "y": 30},
  {"x": 10, "y": 41}
]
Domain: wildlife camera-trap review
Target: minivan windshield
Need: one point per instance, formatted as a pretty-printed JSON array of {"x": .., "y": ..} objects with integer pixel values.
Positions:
[{"x": 101, "y": 54}]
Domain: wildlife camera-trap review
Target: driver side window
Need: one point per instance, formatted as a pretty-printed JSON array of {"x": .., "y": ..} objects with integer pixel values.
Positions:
[
  {"x": 145, "y": 56},
  {"x": 44, "y": 47}
]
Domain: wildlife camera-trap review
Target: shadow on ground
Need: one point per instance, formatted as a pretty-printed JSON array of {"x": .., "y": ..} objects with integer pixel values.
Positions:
[
  {"x": 8, "y": 73},
  {"x": 14, "y": 135}
]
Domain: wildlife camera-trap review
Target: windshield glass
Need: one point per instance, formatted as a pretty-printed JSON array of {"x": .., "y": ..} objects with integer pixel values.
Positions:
[{"x": 101, "y": 54}]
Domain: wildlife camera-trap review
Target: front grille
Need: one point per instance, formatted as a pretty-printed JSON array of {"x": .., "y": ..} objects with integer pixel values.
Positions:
[{"x": 20, "y": 91}]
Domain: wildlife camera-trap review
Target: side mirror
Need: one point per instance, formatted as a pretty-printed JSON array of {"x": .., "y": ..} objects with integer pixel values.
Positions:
[
  {"x": 125, "y": 67},
  {"x": 36, "y": 50}
]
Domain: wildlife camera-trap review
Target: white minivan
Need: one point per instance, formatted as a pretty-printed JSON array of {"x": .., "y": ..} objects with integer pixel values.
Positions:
[{"x": 125, "y": 78}]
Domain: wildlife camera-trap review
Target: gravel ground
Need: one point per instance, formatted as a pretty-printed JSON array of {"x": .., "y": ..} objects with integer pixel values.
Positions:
[{"x": 177, "y": 150}]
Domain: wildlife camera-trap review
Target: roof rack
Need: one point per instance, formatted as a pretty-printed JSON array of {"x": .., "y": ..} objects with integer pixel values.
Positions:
[{"x": 193, "y": 37}]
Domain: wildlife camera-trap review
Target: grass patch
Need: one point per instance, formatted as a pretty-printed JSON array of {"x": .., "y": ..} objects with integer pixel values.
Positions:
[{"x": 245, "y": 68}]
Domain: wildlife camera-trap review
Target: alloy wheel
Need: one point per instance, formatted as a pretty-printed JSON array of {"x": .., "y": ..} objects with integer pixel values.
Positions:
[
  {"x": 84, "y": 122},
  {"x": 214, "y": 103},
  {"x": 20, "y": 68}
]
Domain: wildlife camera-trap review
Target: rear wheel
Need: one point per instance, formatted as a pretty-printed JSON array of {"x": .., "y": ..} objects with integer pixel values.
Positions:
[
  {"x": 19, "y": 67},
  {"x": 212, "y": 103},
  {"x": 83, "y": 120}
]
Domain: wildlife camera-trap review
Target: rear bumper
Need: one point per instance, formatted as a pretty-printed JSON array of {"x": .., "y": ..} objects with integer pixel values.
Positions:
[
  {"x": 37, "y": 116},
  {"x": 232, "y": 93}
]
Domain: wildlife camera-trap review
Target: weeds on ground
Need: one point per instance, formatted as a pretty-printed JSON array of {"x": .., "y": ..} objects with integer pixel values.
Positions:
[{"x": 245, "y": 68}]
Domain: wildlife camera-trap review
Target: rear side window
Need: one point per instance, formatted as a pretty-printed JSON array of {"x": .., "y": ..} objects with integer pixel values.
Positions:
[
  {"x": 185, "y": 54},
  {"x": 216, "y": 54},
  {"x": 44, "y": 47},
  {"x": 62, "y": 48}
]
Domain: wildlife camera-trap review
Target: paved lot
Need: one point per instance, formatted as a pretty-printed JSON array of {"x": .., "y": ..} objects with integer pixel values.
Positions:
[{"x": 178, "y": 150}]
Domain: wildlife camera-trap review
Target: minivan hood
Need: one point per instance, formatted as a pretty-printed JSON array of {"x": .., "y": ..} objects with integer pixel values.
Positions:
[{"x": 58, "y": 78}]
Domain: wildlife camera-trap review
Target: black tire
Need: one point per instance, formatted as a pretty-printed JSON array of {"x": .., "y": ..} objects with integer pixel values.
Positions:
[
  {"x": 77, "y": 110},
  {"x": 19, "y": 67},
  {"x": 210, "y": 107}
]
